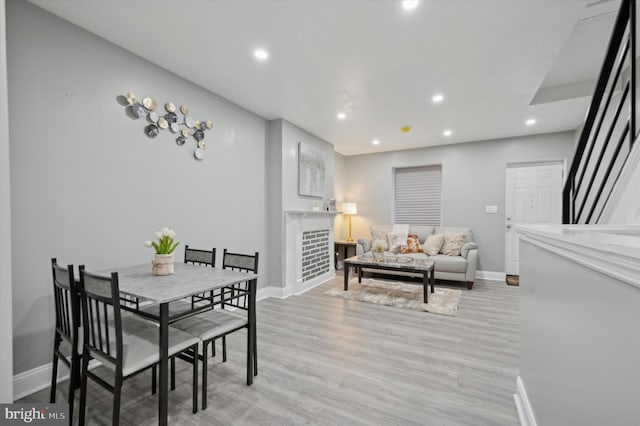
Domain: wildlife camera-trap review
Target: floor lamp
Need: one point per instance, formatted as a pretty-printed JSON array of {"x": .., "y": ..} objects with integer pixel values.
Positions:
[{"x": 349, "y": 209}]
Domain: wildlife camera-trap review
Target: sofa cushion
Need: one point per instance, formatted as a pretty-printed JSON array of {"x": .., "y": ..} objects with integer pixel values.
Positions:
[
  {"x": 453, "y": 242},
  {"x": 467, "y": 231},
  {"x": 444, "y": 263},
  {"x": 397, "y": 241},
  {"x": 422, "y": 231}
]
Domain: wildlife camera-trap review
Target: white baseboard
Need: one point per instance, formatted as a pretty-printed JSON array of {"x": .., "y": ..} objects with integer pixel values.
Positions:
[
  {"x": 525, "y": 412},
  {"x": 36, "y": 379},
  {"x": 284, "y": 292},
  {"x": 491, "y": 275}
]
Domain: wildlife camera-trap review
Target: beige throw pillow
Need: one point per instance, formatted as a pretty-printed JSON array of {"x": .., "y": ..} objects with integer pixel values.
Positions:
[
  {"x": 453, "y": 242},
  {"x": 433, "y": 244}
]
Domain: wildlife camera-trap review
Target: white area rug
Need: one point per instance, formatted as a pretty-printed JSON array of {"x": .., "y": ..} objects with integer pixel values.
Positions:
[{"x": 393, "y": 293}]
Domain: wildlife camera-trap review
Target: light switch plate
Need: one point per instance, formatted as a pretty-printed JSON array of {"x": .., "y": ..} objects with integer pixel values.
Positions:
[{"x": 491, "y": 209}]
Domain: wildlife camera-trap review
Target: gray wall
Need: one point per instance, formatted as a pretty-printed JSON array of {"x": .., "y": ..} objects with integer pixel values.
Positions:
[
  {"x": 473, "y": 176},
  {"x": 6, "y": 334},
  {"x": 282, "y": 155},
  {"x": 579, "y": 346},
  {"x": 89, "y": 187}
]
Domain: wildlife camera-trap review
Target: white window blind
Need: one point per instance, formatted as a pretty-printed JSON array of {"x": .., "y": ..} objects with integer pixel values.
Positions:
[{"x": 418, "y": 195}]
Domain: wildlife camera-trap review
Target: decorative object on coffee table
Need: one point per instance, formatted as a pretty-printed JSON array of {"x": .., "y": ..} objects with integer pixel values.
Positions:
[
  {"x": 377, "y": 249},
  {"x": 163, "y": 259},
  {"x": 349, "y": 209}
]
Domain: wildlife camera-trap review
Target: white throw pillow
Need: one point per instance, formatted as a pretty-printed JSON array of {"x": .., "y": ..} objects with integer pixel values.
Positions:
[
  {"x": 433, "y": 244},
  {"x": 396, "y": 241}
]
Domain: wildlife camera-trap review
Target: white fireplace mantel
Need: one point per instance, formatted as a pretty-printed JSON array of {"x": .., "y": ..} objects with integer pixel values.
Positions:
[
  {"x": 296, "y": 222},
  {"x": 311, "y": 213}
]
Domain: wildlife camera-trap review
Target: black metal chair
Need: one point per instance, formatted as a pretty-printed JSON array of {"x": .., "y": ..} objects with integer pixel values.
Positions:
[
  {"x": 127, "y": 354},
  {"x": 67, "y": 310},
  {"x": 220, "y": 322}
]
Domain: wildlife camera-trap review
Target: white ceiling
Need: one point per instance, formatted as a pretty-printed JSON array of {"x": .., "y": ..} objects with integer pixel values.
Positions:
[{"x": 370, "y": 59}]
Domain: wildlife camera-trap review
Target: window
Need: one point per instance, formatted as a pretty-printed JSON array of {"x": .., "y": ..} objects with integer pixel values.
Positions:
[{"x": 417, "y": 198}]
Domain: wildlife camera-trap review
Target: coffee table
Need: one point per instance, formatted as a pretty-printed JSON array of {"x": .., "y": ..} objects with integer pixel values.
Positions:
[{"x": 423, "y": 267}]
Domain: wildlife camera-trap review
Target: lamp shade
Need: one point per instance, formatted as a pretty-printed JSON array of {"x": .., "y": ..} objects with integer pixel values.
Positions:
[{"x": 349, "y": 208}]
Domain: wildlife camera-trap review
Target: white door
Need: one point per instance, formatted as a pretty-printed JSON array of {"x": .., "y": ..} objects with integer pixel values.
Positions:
[{"x": 533, "y": 196}]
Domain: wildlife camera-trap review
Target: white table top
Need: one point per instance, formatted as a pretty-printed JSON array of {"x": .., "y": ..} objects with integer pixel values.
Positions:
[{"x": 187, "y": 280}]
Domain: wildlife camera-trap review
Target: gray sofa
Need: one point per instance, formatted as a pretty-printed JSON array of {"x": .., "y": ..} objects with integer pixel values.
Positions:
[{"x": 456, "y": 268}]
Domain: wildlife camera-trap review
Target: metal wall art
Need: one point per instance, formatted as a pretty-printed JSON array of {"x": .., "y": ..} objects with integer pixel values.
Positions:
[{"x": 184, "y": 127}]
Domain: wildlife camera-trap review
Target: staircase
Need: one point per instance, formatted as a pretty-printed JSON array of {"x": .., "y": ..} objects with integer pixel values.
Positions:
[{"x": 610, "y": 129}]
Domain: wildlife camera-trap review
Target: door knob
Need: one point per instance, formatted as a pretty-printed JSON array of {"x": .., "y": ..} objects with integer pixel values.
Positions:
[{"x": 508, "y": 226}]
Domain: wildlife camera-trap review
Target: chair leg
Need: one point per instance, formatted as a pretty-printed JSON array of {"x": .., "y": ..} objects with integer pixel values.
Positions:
[
  {"x": 154, "y": 379},
  {"x": 117, "y": 388},
  {"x": 249, "y": 353},
  {"x": 74, "y": 381},
  {"x": 469, "y": 285},
  {"x": 205, "y": 372},
  {"x": 173, "y": 373},
  {"x": 224, "y": 348},
  {"x": 194, "y": 389},
  {"x": 83, "y": 389},
  {"x": 255, "y": 351},
  {"x": 54, "y": 371}
]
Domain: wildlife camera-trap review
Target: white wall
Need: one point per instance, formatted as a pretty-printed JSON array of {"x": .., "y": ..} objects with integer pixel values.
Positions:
[
  {"x": 88, "y": 187},
  {"x": 578, "y": 334},
  {"x": 339, "y": 184},
  {"x": 291, "y": 136},
  {"x": 473, "y": 176},
  {"x": 6, "y": 332}
]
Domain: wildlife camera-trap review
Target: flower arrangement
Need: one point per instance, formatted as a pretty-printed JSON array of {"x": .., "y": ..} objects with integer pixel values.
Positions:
[
  {"x": 378, "y": 246},
  {"x": 165, "y": 244}
]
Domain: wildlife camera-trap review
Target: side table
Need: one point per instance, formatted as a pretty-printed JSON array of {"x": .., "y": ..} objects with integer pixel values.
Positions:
[{"x": 342, "y": 248}]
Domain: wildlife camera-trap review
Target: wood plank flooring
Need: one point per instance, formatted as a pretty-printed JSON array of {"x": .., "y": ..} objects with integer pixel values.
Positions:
[{"x": 328, "y": 361}]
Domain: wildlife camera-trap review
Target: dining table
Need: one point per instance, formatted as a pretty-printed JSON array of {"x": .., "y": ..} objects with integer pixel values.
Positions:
[{"x": 187, "y": 280}]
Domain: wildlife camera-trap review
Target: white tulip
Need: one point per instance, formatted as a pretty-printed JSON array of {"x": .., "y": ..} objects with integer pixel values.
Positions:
[
  {"x": 165, "y": 231},
  {"x": 172, "y": 234},
  {"x": 147, "y": 243},
  {"x": 158, "y": 235}
]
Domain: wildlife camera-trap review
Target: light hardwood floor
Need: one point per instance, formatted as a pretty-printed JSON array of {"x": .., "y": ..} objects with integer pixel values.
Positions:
[{"x": 329, "y": 361}]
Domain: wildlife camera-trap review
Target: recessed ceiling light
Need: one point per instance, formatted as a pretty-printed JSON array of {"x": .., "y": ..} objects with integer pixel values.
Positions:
[
  {"x": 261, "y": 54},
  {"x": 375, "y": 142},
  {"x": 530, "y": 122},
  {"x": 447, "y": 133},
  {"x": 341, "y": 116},
  {"x": 409, "y": 4},
  {"x": 437, "y": 98}
]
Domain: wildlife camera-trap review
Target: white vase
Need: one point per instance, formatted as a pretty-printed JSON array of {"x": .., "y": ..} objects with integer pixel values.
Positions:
[{"x": 162, "y": 264}]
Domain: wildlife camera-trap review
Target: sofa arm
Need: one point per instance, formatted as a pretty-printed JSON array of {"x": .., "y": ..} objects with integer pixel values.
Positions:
[
  {"x": 363, "y": 246},
  {"x": 472, "y": 264},
  {"x": 466, "y": 248}
]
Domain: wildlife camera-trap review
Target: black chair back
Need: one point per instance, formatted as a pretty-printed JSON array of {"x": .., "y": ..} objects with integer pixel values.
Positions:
[
  {"x": 101, "y": 316},
  {"x": 238, "y": 294},
  {"x": 240, "y": 262},
  {"x": 200, "y": 257},
  {"x": 67, "y": 302}
]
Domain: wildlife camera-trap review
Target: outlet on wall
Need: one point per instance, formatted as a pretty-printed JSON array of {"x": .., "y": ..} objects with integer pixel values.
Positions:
[{"x": 491, "y": 209}]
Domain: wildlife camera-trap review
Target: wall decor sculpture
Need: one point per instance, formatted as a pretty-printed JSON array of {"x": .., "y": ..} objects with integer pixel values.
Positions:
[
  {"x": 184, "y": 127},
  {"x": 310, "y": 171}
]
